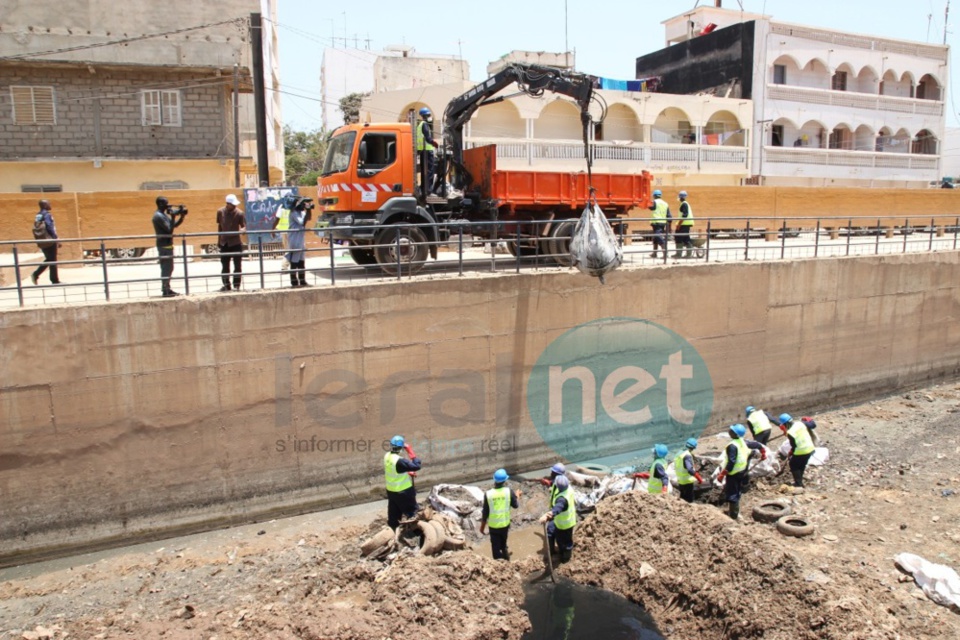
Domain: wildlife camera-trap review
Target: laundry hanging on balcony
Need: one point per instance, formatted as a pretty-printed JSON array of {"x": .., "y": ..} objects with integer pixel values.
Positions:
[{"x": 651, "y": 84}]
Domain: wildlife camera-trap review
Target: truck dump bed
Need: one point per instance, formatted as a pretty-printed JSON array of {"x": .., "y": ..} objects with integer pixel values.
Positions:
[{"x": 542, "y": 190}]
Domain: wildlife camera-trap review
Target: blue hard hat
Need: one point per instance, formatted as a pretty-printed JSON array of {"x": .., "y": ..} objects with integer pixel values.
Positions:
[
  {"x": 785, "y": 418},
  {"x": 396, "y": 441},
  {"x": 561, "y": 482},
  {"x": 424, "y": 112},
  {"x": 739, "y": 429},
  {"x": 657, "y": 193},
  {"x": 559, "y": 469},
  {"x": 691, "y": 443},
  {"x": 682, "y": 194},
  {"x": 750, "y": 410},
  {"x": 500, "y": 475},
  {"x": 660, "y": 450}
]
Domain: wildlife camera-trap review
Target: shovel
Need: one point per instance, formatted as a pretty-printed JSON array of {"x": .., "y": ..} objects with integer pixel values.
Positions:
[{"x": 546, "y": 548}]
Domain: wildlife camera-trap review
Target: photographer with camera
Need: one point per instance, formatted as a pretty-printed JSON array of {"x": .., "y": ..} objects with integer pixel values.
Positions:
[
  {"x": 296, "y": 241},
  {"x": 165, "y": 220},
  {"x": 230, "y": 224}
]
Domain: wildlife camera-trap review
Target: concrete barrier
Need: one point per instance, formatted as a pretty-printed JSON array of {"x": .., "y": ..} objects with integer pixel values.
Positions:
[{"x": 124, "y": 421}]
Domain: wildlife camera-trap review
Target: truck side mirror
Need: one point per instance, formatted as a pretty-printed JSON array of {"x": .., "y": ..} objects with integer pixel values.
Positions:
[{"x": 362, "y": 155}]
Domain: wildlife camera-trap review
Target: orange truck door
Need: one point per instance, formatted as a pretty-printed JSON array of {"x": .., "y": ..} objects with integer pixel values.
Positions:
[{"x": 379, "y": 170}]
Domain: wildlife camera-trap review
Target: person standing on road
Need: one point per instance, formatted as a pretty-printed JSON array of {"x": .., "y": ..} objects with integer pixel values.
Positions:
[
  {"x": 562, "y": 518},
  {"x": 659, "y": 481},
  {"x": 296, "y": 241},
  {"x": 734, "y": 466},
  {"x": 684, "y": 226},
  {"x": 660, "y": 222},
  {"x": 399, "y": 473},
  {"x": 686, "y": 472},
  {"x": 760, "y": 423},
  {"x": 165, "y": 220},
  {"x": 801, "y": 446},
  {"x": 281, "y": 222},
  {"x": 497, "y": 503},
  {"x": 44, "y": 230},
  {"x": 230, "y": 224}
]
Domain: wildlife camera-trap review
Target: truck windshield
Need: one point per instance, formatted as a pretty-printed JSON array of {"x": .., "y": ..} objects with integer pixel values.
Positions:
[{"x": 339, "y": 152}]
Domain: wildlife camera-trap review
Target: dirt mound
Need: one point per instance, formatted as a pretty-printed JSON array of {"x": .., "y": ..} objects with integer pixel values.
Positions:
[{"x": 713, "y": 578}]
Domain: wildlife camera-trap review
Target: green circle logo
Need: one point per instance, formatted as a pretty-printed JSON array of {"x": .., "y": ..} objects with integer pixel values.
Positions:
[{"x": 618, "y": 385}]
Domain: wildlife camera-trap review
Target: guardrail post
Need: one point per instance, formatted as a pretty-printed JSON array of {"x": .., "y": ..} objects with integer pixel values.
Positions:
[
  {"x": 460, "y": 249},
  {"x": 906, "y": 232},
  {"x": 263, "y": 281},
  {"x": 706, "y": 253},
  {"x": 816, "y": 240},
  {"x": 876, "y": 243},
  {"x": 933, "y": 232},
  {"x": 16, "y": 270},
  {"x": 746, "y": 246},
  {"x": 783, "y": 240},
  {"x": 333, "y": 266},
  {"x": 956, "y": 228},
  {"x": 186, "y": 274},
  {"x": 849, "y": 233},
  {"x": 103, "y": 263},
  {"x": 399, "y": 264},
  {"x": 518, "y": 248}
]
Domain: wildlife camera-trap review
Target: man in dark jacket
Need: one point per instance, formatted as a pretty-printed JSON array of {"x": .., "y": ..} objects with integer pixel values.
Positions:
[
  {"x": 165, "y": 220},
  {"x": 49, "y": 248}
]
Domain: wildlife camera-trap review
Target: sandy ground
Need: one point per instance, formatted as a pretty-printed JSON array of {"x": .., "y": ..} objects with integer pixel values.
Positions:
[{"x": 887, "y": 489}]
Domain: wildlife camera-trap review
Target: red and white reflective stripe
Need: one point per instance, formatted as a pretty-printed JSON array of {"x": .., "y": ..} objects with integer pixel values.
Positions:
[{"x": 356, "y": 186}]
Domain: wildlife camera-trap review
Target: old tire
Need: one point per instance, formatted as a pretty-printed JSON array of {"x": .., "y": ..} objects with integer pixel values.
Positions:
[
  {"x": 432, "y": 542},
  {"x": 381, "y": 538},
  {"x": 771, "y": 510},
  {"x": 598, "y": 470},
  {"x": 363, "y": 257},
  {"x": 412, "y": 254},
  {"x": 559, "y": 246},
  {"x": 794, "y": 526}
]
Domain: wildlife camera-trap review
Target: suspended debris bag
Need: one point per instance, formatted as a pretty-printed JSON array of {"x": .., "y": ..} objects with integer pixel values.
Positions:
[{"x": 594, "y": 248}]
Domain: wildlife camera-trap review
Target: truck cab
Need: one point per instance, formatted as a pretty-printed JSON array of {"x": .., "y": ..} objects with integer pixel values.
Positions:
[{"x": 368, "y": 196}]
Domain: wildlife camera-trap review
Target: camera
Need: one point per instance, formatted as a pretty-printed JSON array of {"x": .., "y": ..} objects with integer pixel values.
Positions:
[
  {"x": 178, "y": 210},
  {"x": 305, "y": 204}
]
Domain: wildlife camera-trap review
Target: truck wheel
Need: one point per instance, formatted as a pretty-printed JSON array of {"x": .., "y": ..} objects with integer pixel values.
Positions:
[
  {"x": 413, "y": 250},
  {"x": 363, "y": 257},
  {"x": 560, "y": 237}
]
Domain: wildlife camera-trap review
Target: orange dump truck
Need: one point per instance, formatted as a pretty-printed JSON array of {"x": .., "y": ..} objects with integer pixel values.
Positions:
[{"x": 371, "y": 187}]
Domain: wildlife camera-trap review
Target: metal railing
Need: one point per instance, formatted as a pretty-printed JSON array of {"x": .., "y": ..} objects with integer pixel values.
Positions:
[{"x": 403, "y": 252}]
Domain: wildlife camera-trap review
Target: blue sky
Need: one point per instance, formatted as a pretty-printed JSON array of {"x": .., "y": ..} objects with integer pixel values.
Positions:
[{"x": 608, "y": 35}]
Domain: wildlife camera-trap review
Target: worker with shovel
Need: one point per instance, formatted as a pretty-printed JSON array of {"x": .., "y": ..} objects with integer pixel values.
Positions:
[
  {"x": 562, "y": 518},
  {"x": 687, "y": 474},
  {"x": 760, "y": 423},
  {"x": 801, "y": 446},
  {"x": 399, "y": 474},
  {"x": 657, "y": 480},
  {"x": 734, "y": 466},
  {"x": 497, "y": 503}
]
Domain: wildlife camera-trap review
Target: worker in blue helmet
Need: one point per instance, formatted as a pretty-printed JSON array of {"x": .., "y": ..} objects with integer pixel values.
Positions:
[
  {"x": 658, "y": 480},
  {"x": 399, "y": 473},
  {"x": 760, "y": 424},
  {"x": 556, "y": 470},
  {"x": 497, "y": 503},
  {"x": 733, "y": 466},
  {"x": 685, "y": 468},
  {"x": 802, "y": 444},
  {"x": 562, "y": 518},
  {"x": 684, "y": 225},
  {"x": 659, "y": 222},
  {"x": 426, "y": 148}
]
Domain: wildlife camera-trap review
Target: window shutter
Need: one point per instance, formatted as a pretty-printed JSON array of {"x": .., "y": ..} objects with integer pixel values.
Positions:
[
  {"x": 171, "y": 108},
  {"x": 33, "y": 105},
  {"x": 150, "y": 108}
]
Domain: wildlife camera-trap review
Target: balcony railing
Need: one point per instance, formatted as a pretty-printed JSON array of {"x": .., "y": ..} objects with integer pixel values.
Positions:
[
  {"x": 732, "y": 158},
  {"x": 841, "y": 158},
  {"x": 860, "y": 42},
  {"x": 854, "y": 100}
]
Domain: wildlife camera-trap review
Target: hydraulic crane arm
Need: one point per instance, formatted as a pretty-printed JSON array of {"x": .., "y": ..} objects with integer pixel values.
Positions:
[{"x": 531, "y": 79}]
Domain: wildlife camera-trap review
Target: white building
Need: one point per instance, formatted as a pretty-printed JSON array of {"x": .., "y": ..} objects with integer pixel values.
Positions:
[
  {"x": 831, "y": 108},
  {"x": 347, "y": 71}
]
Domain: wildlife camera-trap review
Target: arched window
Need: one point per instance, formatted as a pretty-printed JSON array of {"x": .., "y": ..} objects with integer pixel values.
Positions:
[
  {"x": 559, "y": 120},
  {"x": 925, "y": 143},
  {"x": 864, "y": 139},
  {"x": 621, "y": 123},
  {"x": 928, "y": 88},
  {"x": 841, "y": 138},
  {"x": 498, "y": 120},
  {"x": 673, "y": 126},
  {"x": 723, "y": 128}
]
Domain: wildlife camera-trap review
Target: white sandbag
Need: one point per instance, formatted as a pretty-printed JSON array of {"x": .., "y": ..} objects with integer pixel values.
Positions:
[
  {"x": 939, "y": 582},
  {"x": 594, "y": 247},
  {"x": 820, "y": 457},
  {"x": 458, "y": 508}
]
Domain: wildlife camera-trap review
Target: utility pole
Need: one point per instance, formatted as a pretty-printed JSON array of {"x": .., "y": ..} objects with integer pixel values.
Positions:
[
  {"x": 946, "y": 17},
  {"x": 259, "y": 99},
  {"x": 236, "y": 126}
]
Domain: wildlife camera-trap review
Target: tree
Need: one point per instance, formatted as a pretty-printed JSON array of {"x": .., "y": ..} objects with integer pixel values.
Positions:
[
  {"x": 350, "y": 106},
  {"x": 305, "y": 151}
]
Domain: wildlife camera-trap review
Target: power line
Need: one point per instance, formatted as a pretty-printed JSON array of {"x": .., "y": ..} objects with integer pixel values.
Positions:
[{"x": 148, "y": 36}]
